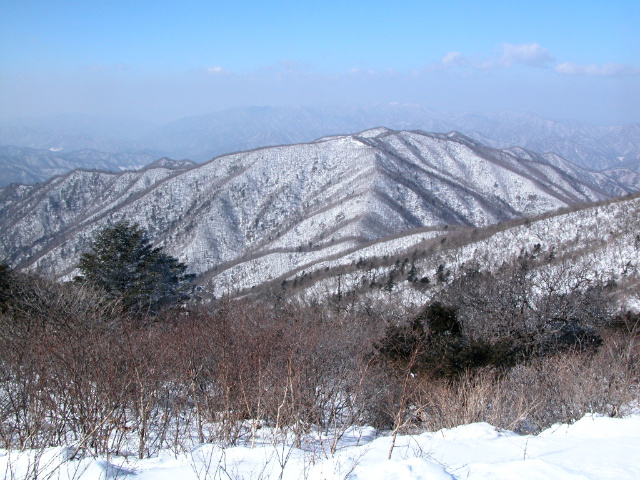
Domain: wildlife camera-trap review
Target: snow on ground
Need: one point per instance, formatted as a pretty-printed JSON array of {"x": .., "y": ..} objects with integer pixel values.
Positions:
[{"x": 595, "y": 447}]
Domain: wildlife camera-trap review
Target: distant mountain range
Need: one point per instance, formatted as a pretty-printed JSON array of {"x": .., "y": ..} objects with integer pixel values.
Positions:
[
  {"x": 30, "y": 165},
  {"x": 115, "y": 144},
  {"x": 202, "y": 137},
  {"x": 253, "y": 216},
  {"x": 31, "y": 155}
]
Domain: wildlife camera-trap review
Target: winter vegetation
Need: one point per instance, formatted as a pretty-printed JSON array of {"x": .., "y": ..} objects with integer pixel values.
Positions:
[
  {"x": 271, "y": 211},
  {"x": 281, "y": 384},
  {"x": 365, "y": 306},
  {"x": 125, "y": 266},
  {"x": 319, "y": 240}
]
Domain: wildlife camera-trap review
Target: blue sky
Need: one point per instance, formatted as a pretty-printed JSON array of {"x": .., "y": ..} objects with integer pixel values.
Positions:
[{"x": 166, "y": 59}]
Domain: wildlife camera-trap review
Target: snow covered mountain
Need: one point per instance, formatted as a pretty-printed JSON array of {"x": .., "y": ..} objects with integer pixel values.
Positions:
[
  {"x": 591, "y": 244},
  {"x": 204, "y": 136},
  {"x": 30, "y": 165},
  {"x": 270, "y": 211},
  {"x": 593, "y": 147},
  {"x": 31, "y": 154}
]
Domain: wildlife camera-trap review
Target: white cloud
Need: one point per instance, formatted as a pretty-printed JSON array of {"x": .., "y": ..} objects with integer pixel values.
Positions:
[
  {"x": 533, "y": 55},
  {"x": 455, "y": 59},
  {"x": 215, "y": 70},
  {"x": 604, "y": 70},
  {"x": 486, "y": 65},
  {"x": 530, "y": 54}
]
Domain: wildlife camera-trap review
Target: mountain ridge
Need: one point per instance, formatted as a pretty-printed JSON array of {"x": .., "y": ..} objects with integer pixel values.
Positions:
[
  {"x": 203, "y": 137},
  {"x": 589, "y": 146},
  {"x": 301, "y": 201}
]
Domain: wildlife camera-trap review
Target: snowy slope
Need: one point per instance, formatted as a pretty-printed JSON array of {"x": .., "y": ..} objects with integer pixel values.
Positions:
[
  {"x": 30, "y": 165},
  {"x": 286, "y": 206},
  {"x": 597, "y": 242},
  {"x": 594, "y": 447}
]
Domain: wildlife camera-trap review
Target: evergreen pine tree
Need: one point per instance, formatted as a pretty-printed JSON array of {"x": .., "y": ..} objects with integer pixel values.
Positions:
[
  {"x": 413, "y": 273},
  {"x": 124, "y": 264}
]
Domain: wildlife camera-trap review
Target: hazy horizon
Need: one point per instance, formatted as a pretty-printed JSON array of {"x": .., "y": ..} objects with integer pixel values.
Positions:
[{"x": 161, "y": 61}]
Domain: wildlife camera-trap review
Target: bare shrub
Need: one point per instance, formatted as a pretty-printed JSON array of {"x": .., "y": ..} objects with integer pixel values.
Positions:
[
  {"x": 75, "y": 371},
  {"x": 533, "y": 396}
]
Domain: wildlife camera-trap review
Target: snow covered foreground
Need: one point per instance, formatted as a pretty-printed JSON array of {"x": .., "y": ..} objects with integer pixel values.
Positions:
[{"x": 595, "y": 447}]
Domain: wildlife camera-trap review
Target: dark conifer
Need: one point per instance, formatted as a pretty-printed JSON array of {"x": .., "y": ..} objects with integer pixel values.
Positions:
[{"x": 124, "y": 264}]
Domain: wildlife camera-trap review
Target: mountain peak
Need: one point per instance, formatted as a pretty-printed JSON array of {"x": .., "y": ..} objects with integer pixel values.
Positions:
[
  {"x": 255, "y": 215},
  {"x": 461, "y": 138},
  {"x": 373, "y": 132}
]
